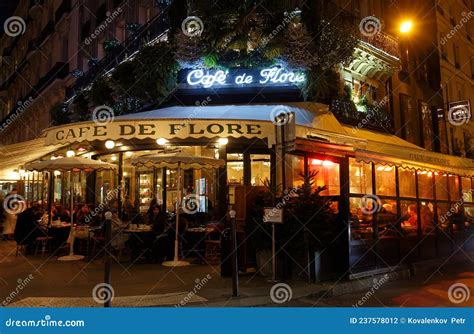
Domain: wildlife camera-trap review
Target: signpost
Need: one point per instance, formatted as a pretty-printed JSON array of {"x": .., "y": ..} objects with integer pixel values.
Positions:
[{"x": 273, "y": 216}]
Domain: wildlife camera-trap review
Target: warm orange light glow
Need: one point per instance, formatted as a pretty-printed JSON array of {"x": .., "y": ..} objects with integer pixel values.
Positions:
[
  {"x": 406, "y": 26},
  {"x": 327, "y": 163},
  {"x": 316, "y": 162}
]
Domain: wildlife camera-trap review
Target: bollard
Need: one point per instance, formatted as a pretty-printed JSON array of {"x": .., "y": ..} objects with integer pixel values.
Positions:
[
  {"x": 235, "y": 267},
  {"x": 107, "y": 268}
]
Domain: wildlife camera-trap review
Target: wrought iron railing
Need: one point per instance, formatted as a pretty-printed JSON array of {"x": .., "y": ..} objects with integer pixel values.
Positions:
[{"x": 145, "y": 34}]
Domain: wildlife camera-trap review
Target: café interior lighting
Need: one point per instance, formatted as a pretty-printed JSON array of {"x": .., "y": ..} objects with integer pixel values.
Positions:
[
  {"x": 223, "y": 141},
  {"x": 161, "y": 141},
  {"x": 109, "y": 144}
]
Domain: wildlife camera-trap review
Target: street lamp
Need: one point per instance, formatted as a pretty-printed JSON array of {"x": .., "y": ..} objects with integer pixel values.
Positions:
[{"x": 406, "y": 26}]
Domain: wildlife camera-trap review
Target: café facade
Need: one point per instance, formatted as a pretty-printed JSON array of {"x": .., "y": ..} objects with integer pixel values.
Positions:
[{"x": 374, "y": 180}]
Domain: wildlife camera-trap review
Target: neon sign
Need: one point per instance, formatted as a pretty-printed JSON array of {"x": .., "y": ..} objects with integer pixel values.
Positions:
[{"x": 274, "y": 76}]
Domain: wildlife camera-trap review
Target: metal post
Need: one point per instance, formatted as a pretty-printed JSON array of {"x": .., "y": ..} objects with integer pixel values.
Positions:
[
  {"x": 235, "y": 266},
  {"x": 120, "y": 177},
  {"x": 51, "y": 197},
  {"x": 273, "y": 253},
  {"x": 107, "y": 268}
]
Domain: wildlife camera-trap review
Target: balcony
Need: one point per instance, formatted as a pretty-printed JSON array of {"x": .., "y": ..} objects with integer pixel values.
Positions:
[
  {"x": 383, "y": 42},
  {"x": 58, "y": 71},
  {"x": 375, "y": 117},
  {"x": 153, "y": 29}
]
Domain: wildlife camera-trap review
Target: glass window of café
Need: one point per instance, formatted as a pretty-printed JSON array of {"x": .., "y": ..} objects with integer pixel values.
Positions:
[
  {"x": 425, "y": 184},
  {"x": 235, "y": 169},
  {"x": 427, "y": 218},
  {"x": 360, "y": 177},
  {"x": 441, "y": 185},
  {"x": 294, "y": 171},
  {"x": 260, "y": 169},
  {"x": 361, "y": 218},
  {"x": 385, "y": 180},
  {"x": 387, "y": 219},
  {"x": 454, "y": 188},
  {"x": 466, "y": 184},
  {"x": 409, "y": 218},
  {"x": 142, "y": 185},
  {"x": 327, "y": 176},
  {"x": 406, "y": 182}
]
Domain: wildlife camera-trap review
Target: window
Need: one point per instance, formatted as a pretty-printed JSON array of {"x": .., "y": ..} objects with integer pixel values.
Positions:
[
  {"x": 294, "y": 171},
  {"x": 427, "y": 218},
  {"x": 361, "y": 220},
  {"x": 469, "y": 216},
  {"x": 360, "y": 177},
  {"x": 407, "y": 118},
  {"x": 443, "y": 213},
  {"x": 385, "y": 180},
  {"x": 235, "y": 169},
  {"x": 260, "y": 169},
  {"x": 425, "y": 184},
  {"x": 327, "y": 175},
  {"x": 454, "y": 187},
  {"x": 427, "y": 125},
  {"x": 387, "y": 219},
  {"x": 409, "y": 219},
  {"x": 466, "y": 189},
  {"x": 441, "y": 185},
  {"x": 406, "y": 182}
]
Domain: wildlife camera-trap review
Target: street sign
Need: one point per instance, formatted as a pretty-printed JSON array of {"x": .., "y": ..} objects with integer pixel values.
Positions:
[{"x": 273, "y": 215}]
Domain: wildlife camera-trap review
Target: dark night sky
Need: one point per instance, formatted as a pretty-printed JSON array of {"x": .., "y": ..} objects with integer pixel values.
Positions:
[{"x": 6, "y": 10}]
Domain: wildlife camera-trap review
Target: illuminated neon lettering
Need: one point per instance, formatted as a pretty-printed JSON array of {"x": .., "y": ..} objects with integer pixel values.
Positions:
[{"x": 207, "y": 80}]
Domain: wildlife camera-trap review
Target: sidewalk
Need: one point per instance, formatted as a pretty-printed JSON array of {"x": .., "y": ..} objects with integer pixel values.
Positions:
[{"x": 59, "y": 284}]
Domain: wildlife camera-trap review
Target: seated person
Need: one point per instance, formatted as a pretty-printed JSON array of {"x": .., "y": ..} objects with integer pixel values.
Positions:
[
  {"x": 156, "y": 218},
  {"x": 410, "y": 220},
  {"x": 82, "y": 215},
  {"x": 27, "y": 228}
]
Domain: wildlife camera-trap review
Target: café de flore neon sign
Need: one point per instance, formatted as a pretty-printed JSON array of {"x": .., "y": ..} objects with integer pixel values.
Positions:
[{"x": 235, "y": 78}]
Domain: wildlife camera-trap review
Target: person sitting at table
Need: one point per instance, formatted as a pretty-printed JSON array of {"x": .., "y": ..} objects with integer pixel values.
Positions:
[
  {"x": 80, "y": 217},
  {"x": 156, "y": 218},
  {"x": 61, "y": 214},
  {"x": 27, "y": 228},
  {"x": 410, "y": 220}
]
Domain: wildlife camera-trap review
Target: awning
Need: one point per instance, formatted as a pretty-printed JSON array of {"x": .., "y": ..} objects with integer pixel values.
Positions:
[
  {"x": 13, "y": 157},
  {"x": 182, "y": 122},
  {"x": 392, "y": 150}
]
